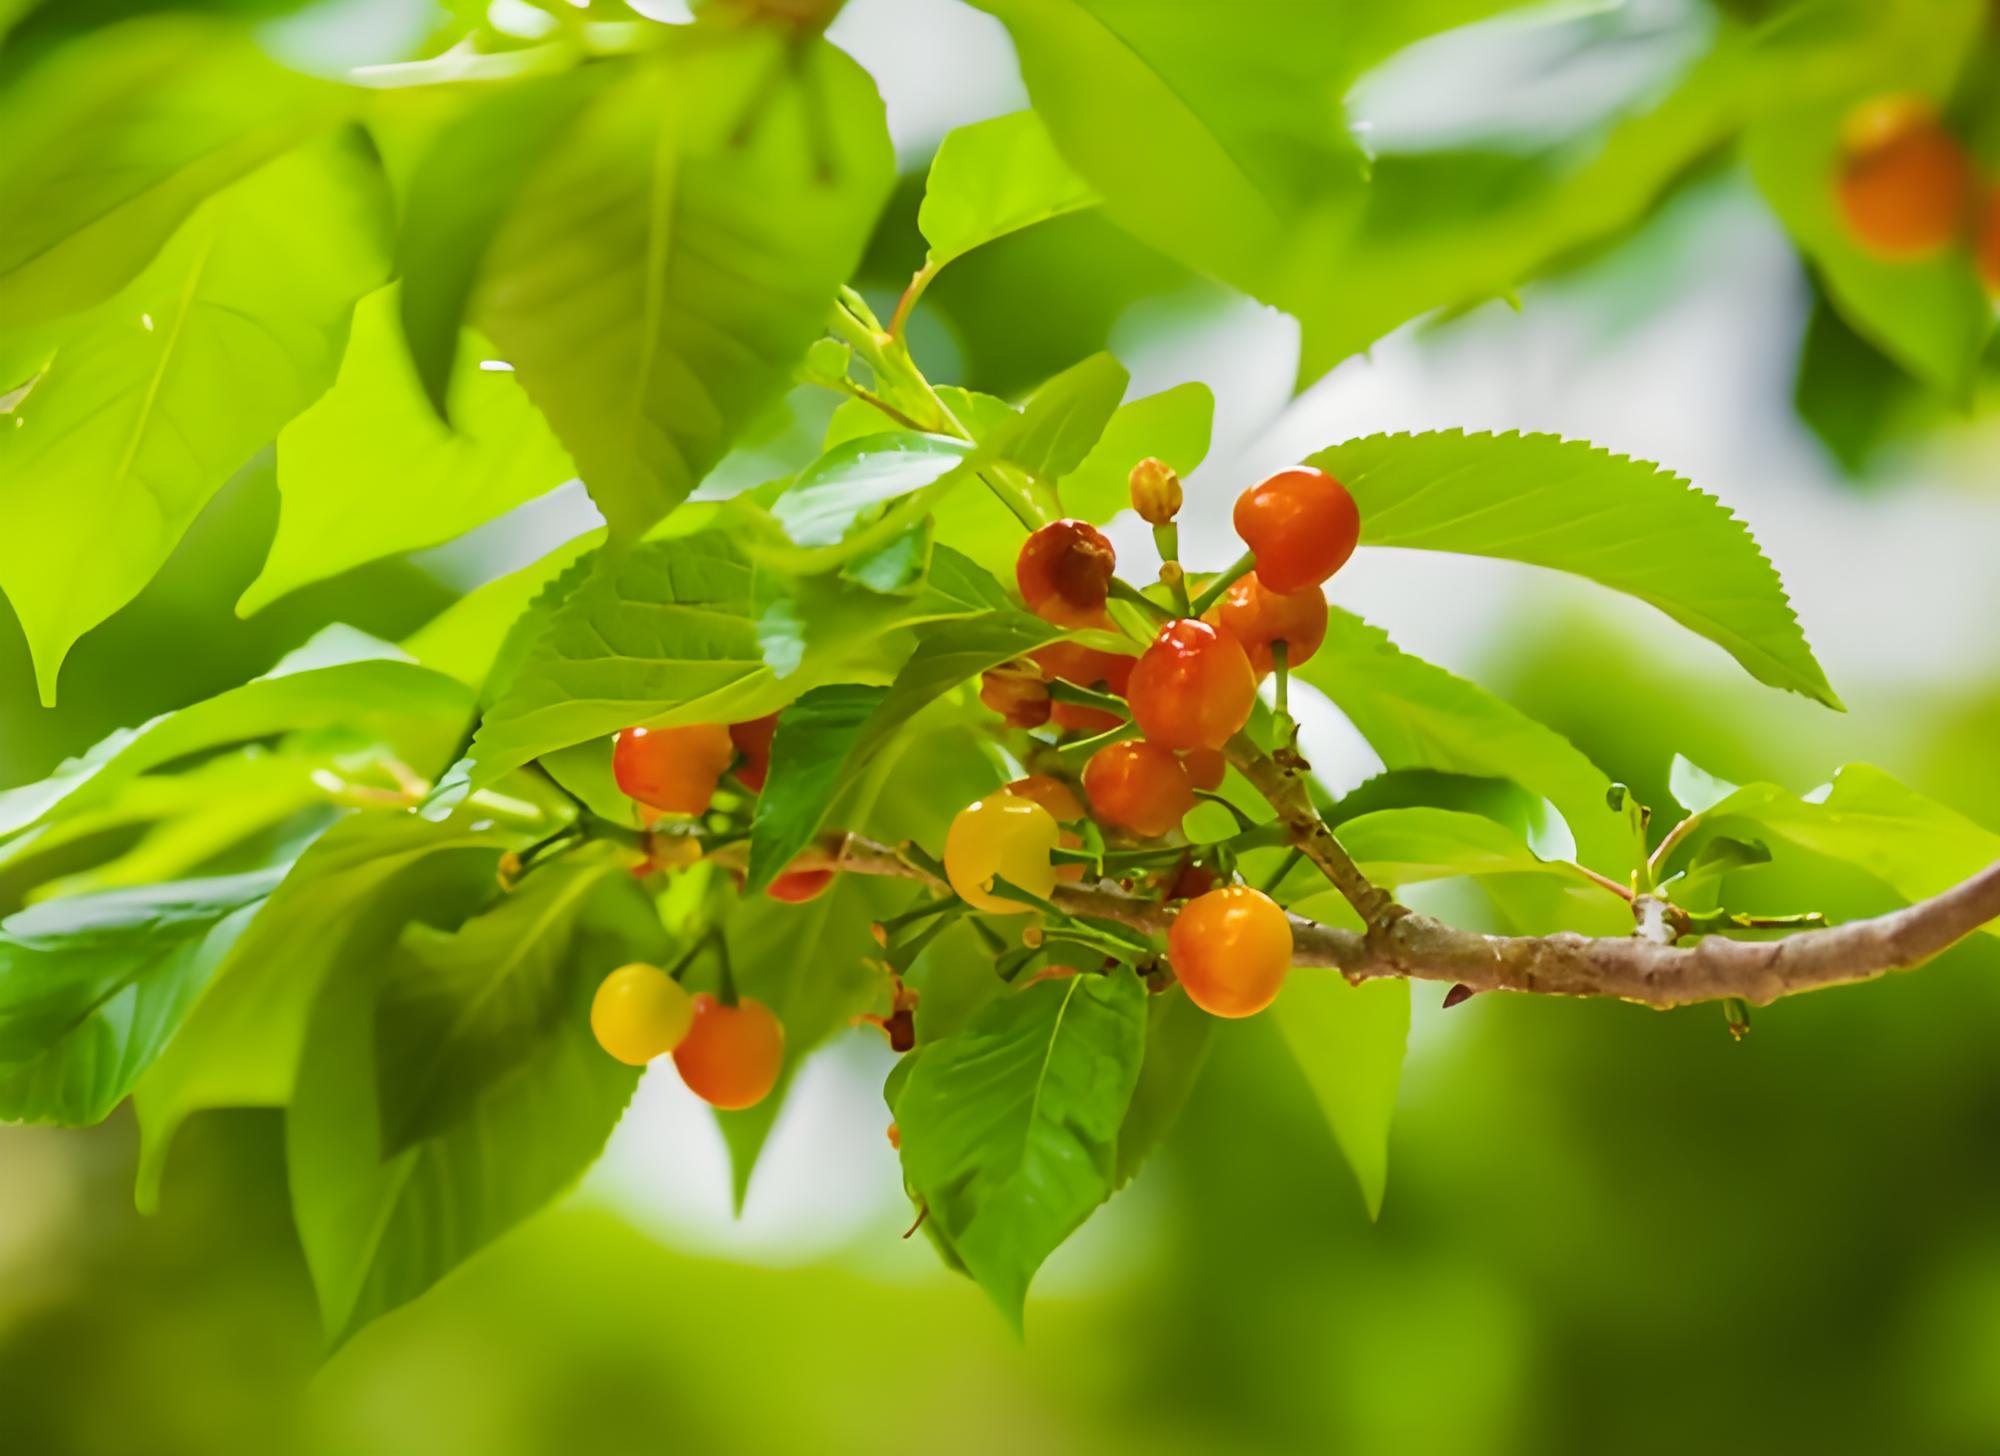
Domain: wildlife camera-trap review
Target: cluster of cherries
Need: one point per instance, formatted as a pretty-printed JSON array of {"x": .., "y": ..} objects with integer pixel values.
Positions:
[
  {"x": 1189, "y": 693},
  {"x": 728, "y": 1051},
  {"x": 1908, "y": 189}
]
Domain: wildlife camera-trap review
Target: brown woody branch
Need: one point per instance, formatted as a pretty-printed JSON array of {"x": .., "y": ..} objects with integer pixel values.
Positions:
[{"x": 1636, "y": 968}]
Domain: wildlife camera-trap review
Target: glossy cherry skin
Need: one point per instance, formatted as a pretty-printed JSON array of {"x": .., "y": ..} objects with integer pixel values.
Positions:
[
  {"x": 1256, "y": 616},
  {"x": 1906, "y": 186},
  {"x": 640, "y": 1012},
  {"x": 731, "y": 1055},
  {"x": 1300, "y": 524},
  {"x": 1006, "y": 836},
  {"x": 1231, "y": 949},
  {"x": 1193, "y": 688},
  {"x": 672, "y": 769},
  {"x": 1206, "y": 767},
  {"x": 753, "y": 741},
  {"x": 1064, "y": 572},
  {"x": 1138, "y": 786}
]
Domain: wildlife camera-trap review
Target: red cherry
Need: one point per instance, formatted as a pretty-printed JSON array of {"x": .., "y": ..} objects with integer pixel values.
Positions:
[
  {"x": 1064, "y": 572},
  {"x": 1193, "y": 688},
  {"x": 1301, "y": 524}
]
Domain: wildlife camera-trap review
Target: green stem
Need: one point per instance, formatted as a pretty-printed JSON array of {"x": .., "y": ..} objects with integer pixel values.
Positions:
[
  {"x": 918, "y": 283},
  {"x": 1126, "y": 592},
  {"x": 1212, "y": 593},
  {"x": 1282, "y": 704},
  {"x": 1069, "y": 692}
]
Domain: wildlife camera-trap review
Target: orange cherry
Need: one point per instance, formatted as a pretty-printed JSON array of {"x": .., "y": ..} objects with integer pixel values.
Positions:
[
  {"x": 1256, "y": 616},
  {"x": 1138, "y": 786},
  {"x": 731, "y": 1055},
  {"x": 672, "y": 769},
  {"x": 1206, "y": 767},
  {"x": 1231, "y": 949},
  {"x": 1906, "y": 186}
]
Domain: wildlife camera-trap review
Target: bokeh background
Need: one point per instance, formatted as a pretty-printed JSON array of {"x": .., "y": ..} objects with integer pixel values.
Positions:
[{"x": 1606, "y": 1229}]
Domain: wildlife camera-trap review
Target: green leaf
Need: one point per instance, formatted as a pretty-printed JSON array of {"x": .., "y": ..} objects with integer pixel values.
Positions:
[
  {"x": 829, "y": 737},
  {"x": 1010, "y": 1128},
  {"x": 1565, "y": 504},
  {"x": 152, "y": 402},
  {"x": 369, "y": 470},
  {"x": 813, "y": 756},
  {"x": 1214, "y": 133},
  {"x": 660, "y": 274},
  {"x": 993, "y": 178},
  {"x": 1930, "y": 315},
  {"x": 470, "y": 1005},
  {"x": 342, "y": 905},
  {"x": 115, "y": 139},
  {"x": 340, "y": 678},
  {"x": 465, "y": 641},
  {"x": 1064, "y": 419},
  {"x": 685, "y": 630},
  {"x": 1349, "y": 1042},
  {"x": 460, "y": 192},
  {"x": 1173, "y": 425},
  {"x": 663, "y": 633},
  {"x": 841, "y": 491},
  {"x": 1177, "y": 1036},
  {"x": 1694, "y": 788},
  {"x": 1913, "y": 844},
  {"x": 380, "y": 1228},
  {"x": 92, "y": 988},
  {"x": 1408, "y": 846},
  {"x": 1417, "y": 715}
]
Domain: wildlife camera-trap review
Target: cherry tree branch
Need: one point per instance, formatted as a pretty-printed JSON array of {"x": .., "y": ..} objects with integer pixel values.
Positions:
[
  {"x": 1281, "y": 780},
  {"x": 1640, "y": 968}
]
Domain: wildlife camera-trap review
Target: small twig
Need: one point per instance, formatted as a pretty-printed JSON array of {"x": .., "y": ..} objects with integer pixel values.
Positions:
[{"x": 919, "y": 281}]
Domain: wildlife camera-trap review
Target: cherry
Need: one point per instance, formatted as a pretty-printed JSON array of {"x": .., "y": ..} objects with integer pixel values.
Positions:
[
  {"x": 1301, "y": 524},
  {"x": 639, "y": 1012},
  {"x": 753, "y": 741},
  {"x": 731, "y": 1054},
  {"x": 1138, "y": 786},
  {"x": 1064, "y": 572},
  {"x": 1004, "y": 835},
  {"x": 1905, "y": 184},
  {"x": 795, "y": 886},
  {"x": 1063, "y": 805},
  {"x": 672, "y": 769},
  {"x": 1017, "y": 694},
  {"x": 1193, "y": 688},
  {"x": 1190, "y": 882},
  {"x": 1206, "y": 767},
  {"x": 1231, "y": 949},
  {"x": 1256, "y": 616}
]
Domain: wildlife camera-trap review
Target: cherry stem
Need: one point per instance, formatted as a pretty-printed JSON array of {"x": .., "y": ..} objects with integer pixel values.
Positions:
[
  {"x": 1069, "y": 692},
  {"x": 1212, "y": 593},
  {"x": 1282, "y": 704},
  {"x": 1126, "y": 592}
]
